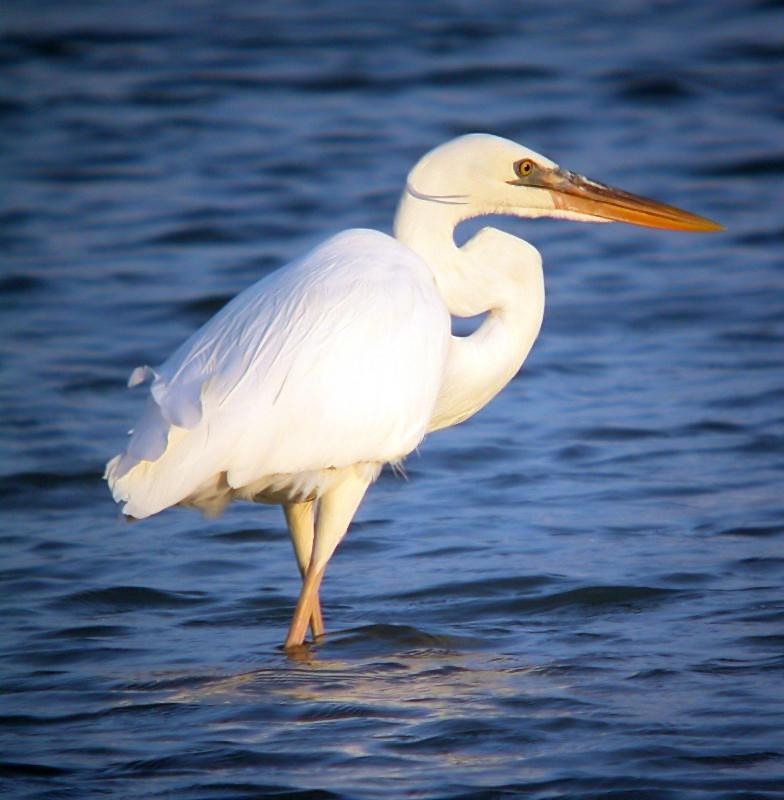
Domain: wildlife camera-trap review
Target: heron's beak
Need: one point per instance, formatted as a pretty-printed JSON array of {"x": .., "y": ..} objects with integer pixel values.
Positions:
[{"x": 572, "y": 192}]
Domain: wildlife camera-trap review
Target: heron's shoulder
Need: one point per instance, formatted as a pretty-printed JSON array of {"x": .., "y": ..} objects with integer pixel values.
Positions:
[
  {"x": 367, "y": 248},
  {"x": 354, "y": 238}
]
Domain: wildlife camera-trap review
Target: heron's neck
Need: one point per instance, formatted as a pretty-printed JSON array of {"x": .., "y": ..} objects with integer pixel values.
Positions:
[
  {"x": 493, "y": 272},
  {"x": 427, "y": 227}
]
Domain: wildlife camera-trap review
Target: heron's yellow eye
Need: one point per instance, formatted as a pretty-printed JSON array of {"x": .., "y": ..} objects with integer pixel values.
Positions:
[{"x": 524, "y": 167}]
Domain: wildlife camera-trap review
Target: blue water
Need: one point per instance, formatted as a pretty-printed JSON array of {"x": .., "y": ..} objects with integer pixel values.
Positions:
[{"x": 576, "y": 594}]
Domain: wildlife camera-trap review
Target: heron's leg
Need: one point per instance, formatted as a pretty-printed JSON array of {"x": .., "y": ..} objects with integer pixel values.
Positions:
[
  {"x": 336, "y": 508},
  {"x": 299, "y": 518}
]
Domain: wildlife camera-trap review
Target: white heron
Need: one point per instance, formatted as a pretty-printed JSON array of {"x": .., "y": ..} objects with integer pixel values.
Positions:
[{"x": 306, "y": 383}]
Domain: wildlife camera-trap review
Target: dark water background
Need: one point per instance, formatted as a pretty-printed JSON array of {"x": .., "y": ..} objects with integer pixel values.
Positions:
[{"x": 578, "y": 593}]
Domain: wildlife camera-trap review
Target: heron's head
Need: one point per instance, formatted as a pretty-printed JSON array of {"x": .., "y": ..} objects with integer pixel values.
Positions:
[{"x": 497, "y": 176}]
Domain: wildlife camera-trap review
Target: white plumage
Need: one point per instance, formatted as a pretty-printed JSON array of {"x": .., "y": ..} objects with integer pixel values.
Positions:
[
  {"x": 305, "y": 384},
  {"x": 280, "y": 385}
]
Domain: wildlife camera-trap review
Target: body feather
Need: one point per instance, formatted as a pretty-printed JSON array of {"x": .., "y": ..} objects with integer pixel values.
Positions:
[{"x": 280, "y": 386}]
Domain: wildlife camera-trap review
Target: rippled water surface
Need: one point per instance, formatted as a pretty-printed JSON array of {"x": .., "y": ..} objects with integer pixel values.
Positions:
[{"x": 576, "y": 594}]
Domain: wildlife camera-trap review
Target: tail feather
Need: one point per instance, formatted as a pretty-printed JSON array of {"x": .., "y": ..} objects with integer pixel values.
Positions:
[{"x": 146, "y": 486}]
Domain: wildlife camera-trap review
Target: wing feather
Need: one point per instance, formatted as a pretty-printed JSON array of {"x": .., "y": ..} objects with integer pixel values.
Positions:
[{"x": 333, "y": 360}]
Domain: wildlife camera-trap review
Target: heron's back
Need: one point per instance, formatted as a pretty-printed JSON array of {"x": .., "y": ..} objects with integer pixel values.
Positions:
[{"x": 334, "y": 360}]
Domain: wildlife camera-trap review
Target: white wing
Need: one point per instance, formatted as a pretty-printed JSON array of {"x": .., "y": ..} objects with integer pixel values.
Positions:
[{"x": 333, "y": 360}]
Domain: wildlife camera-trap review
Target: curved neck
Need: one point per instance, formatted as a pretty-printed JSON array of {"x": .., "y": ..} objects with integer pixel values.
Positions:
[
  {"x": 494, "y": 273},
  {"x": 427, "y": 226}
]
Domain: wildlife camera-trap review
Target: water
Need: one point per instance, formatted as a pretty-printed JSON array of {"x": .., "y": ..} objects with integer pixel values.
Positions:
[{"x": 577, "y": 594}]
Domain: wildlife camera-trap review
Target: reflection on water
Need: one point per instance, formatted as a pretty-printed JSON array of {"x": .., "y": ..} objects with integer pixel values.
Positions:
[{"x": 575, "y": 594}]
